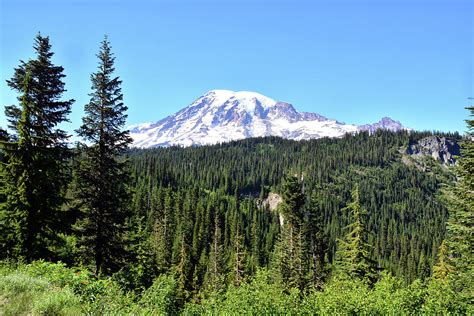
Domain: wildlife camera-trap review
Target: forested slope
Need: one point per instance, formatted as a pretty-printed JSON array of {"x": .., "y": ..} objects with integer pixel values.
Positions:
[{"x": 226, "y": 183}]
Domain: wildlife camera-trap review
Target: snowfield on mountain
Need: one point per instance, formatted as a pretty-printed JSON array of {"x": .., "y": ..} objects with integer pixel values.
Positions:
[{"x": 222, "y": 115}]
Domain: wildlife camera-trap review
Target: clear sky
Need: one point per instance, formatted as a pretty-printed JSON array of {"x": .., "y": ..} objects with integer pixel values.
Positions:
[{"x": 353, "y": 60}]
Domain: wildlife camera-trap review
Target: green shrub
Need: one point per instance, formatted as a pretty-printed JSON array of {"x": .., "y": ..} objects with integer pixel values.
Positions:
[
  {"x": 341, "y": 297},
  {"x": 261, "y": 295},
  {"x": 160, "y": 298},
  {"x": 59, "y": 275},
  {"x": 442, "y": 300},
  {"x": 106, "y": 297},
  {"x": 52, "y": 289}
]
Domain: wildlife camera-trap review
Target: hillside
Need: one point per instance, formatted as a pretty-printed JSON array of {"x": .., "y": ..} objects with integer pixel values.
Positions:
[{"x": 406, "y": 220}]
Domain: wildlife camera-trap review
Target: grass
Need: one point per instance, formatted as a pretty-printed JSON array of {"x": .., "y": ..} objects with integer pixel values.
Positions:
[
  {"x": 21, "y": 294},
  {"x": 44, "y": 288}
]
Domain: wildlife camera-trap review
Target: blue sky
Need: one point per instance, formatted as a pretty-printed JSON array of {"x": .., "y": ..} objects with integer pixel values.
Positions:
[{"x": 355, "y": 61}]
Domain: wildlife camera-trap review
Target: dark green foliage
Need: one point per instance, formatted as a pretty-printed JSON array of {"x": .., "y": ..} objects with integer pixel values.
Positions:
[
  {"x": 4, "y": 137},
  {"x": 292, "y": 249},
  {"x": 405, "y": 224},
  {"x": 139, "y": 267},
  {"x": 101, "y": 176},
  {"x": 35, "y": 171},
  {"x": 163, "y": 226},
  {"x": 406, "y": 221},
  {"x": 18, "y": 182},
  {"x": 293, "y": 200},
  {"x": 239, "y": 258},
  {"x": 317, "y": 240},
  {"x": 214, "y": 277},
  {"x": 460, "y": 227}
]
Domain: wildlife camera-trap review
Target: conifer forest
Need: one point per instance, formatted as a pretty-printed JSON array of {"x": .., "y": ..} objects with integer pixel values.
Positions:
[{"x": 257, "y": 226}]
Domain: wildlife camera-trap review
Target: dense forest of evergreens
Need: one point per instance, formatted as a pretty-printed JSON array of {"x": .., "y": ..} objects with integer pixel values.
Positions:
[
  {"x": 172, "y": 230},
  {"x": 406, "y": 220}
]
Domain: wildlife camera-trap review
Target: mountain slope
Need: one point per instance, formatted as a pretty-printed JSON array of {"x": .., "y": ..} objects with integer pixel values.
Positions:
[{"x": 223, "y": 115}]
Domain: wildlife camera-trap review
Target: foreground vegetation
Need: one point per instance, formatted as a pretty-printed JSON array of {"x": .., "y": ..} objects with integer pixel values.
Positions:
[
  {"x": 53, "y": 289},
  {"x": 102, "y": 229}
]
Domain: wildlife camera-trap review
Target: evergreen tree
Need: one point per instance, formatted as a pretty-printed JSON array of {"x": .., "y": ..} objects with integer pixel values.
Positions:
[
  {"x": 3, "y": 138},
  {"x": 184, "y": 270},
  {"x": 460, "y": 227},
  {"x": 37, "y": 170},
  {"x": 5, "y": 237},
  {"x": 354, "y": 252},
  {"x": 184, "y": 265},
  {"x": 238, "y": 253},
  {"x": 162, "y": 234},
  {"x": 214, "y": 278},
  {"x": 291, "y": 249},
  {"x": 101, "y": 178},
  {"x": 317, "y": 239},
  {"x": 139, "y": 267},
  {"x": 424, "y": 269},
  {"x": 256, "y": 244},
  {"x": 17, "y": 172},
  {"x": 442, "y": 269}
]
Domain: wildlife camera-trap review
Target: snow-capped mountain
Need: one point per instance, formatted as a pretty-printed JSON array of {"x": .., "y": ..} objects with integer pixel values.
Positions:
[{"x": 222, "y": 115}]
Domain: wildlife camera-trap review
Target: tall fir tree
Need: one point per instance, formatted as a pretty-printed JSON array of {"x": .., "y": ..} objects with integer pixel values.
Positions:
[
  {"x": 256, "y": 244},
  {"x": 183, "y": 241},
  {"x": 37, "y": 172},
  {"x": 317, "y": 239},
  {"x": 163, "y": 234},
  {"x": 5, "y": 239},
  {"x": 17, "y": 172},
  {"x": 214, "y": 277},
  {"x": 238, "y": 254},
  {"x": 101, "y": 178},
  {"x": 460, "y": 226},
  {"x": 353, "y": 255},
  {"x": 292, "y": 246}
]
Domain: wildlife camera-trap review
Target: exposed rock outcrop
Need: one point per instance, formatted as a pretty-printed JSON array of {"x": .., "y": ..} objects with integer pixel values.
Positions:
[
  {"x": 441, "y": 149},
  {"x": 272, "y": 201}
]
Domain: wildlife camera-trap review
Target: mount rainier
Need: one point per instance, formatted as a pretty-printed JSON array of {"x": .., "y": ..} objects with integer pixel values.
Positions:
[{"x": 221, "y": 116}]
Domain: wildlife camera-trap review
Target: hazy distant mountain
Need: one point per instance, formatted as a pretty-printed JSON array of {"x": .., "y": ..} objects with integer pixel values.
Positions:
[{"x": 222, "y": 115}]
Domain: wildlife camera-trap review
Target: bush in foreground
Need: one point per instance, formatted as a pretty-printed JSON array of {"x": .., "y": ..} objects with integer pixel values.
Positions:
[{"x": 43, "y": 288}]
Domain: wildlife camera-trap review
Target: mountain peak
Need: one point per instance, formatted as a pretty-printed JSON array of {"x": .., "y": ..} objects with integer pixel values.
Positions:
[
  {"x": 387, "y": 119},
  {"x": 384, "y": 123},
  {"x": 248, "y": 98},
  {"x": 224, "y": 115}
]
